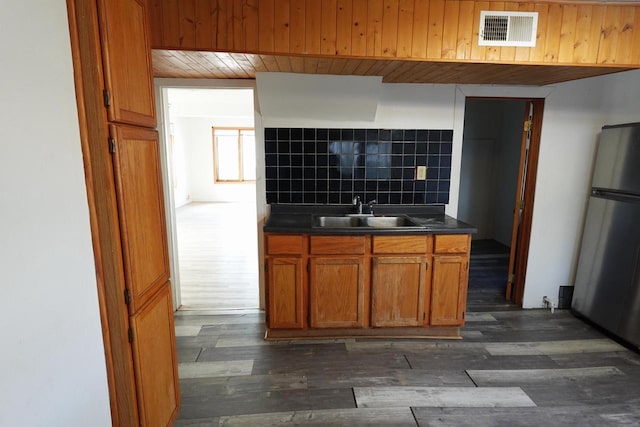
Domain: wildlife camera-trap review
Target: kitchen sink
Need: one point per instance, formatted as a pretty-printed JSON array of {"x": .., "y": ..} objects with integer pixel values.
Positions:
[
  {"x": 363, "y": 221},
  {"x": 336, "y": 221}
]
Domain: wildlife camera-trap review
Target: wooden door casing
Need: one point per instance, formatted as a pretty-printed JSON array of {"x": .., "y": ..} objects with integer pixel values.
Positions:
[
  {"x": 154, "y": 350},
  {"x": 448, "y": 290},
  {"x": 126, "y": 57},
  {"x": 141, "y": 209},
  {"x": 398, "y": 290},
  {"x": 336, "y": 292},
  {"x": 285, "y": 289}
]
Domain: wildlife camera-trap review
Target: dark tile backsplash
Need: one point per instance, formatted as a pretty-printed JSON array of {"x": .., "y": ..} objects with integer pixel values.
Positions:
[{"x": 320, "y": 166}]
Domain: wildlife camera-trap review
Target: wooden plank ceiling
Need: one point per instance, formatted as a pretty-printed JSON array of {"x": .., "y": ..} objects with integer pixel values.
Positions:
[{"x": 219, "y": 65}]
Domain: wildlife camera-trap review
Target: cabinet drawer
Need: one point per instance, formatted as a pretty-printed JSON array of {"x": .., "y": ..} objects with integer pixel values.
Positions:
[
  {"x": 285, "y": 244},
  {"x": 327, "y": 245},
  {"x": 451, "y": 243},
  {"x": 399, "y": 244}
]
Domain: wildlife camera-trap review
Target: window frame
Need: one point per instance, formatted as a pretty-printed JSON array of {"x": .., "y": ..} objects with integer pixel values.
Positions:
[{"x": 239, "y": 129}]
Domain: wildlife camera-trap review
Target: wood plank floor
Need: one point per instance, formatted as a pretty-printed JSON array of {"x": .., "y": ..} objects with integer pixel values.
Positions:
[
  {"x": 218, "y": 255},
  {"x": 513, "y": 368}
]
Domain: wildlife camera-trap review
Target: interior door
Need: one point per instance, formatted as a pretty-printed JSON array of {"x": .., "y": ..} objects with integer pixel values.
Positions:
[{"x": 523, "y": 209}]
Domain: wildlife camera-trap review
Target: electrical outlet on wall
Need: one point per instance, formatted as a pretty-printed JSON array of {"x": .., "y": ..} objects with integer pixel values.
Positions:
[{"x": 421, "y": 173}]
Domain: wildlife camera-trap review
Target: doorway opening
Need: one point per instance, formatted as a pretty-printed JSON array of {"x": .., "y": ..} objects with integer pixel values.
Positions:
[
  {"x": 501, "y": 139},
  {"x": 212, "y": 177}
]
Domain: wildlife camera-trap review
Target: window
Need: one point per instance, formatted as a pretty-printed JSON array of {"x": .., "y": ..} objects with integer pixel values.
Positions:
[{"x": 234, "y": 154}]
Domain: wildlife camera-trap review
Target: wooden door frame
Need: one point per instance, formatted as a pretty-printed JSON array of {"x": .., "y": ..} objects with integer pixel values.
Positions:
[{"x": 524, "y": 237}]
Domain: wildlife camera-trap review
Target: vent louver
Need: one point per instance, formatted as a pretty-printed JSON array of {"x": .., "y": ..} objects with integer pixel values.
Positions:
[{"x": 508, "y": 28}]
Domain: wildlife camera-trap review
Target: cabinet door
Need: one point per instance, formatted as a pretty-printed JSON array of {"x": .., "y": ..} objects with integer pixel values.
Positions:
[
  {"x": 336, "y": 289},
  {"x": 126, "y": 56},
  {"x": 155, "y": 360},
  {"x": 286, "y": 298},
  {"x": 141, "y": 209},
  {"x": 449, "y": 289},
  {"x": 398, "y": 287}
]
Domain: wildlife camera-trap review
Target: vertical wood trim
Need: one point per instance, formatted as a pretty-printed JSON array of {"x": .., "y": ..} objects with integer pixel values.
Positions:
[
  {"x": 344, "y": 15},
  {"x": 450, "y": 29},
  {"x": 477, "y": 52},
  {"x": 635, "y": 44},
  {"x": 390, "y": 28},
  {"x": 420, "y": 29},
  {"x": 187, "y": 12},
  {"x": 313, "y": 26},
  {"x": 238, "y": 26},
  {"x": 250, "y": 25},
  {"x": 582, "y": 43},
  {"x": 552, "y": 42},
  {"x": 609, "y": 35},
  {"x": 222, "y": 35},
  {"x": 359, "y": 28},
  {"x": 297, "y": 26},
  {"x": 155, "y": 16},
  {"x": 627, "y": 28},
  {"x": 537, "y": 52},
  {"x": 405, "y": 28},
  {"x": 374, "y": 27},
  {"x": 465, "y": 29},
  {"x": 328, "y": 27},
  {"x": 568, "y": 33},
  {"x": 436, "y": 22},
  {"x": 170, "y": 23},
  {"x": 203, "y": 24},
  {"x": 281, "y": 33},
  {"x": 266, "y": 25}
]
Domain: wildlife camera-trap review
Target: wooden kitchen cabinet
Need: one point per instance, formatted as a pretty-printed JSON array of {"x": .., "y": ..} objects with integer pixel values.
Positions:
[
  {"x": 286, "y": 299},
  {"x": 126, "y": 58},
  {"x": 337, "y": 281},
  {"x": 286, "y": 265},
  {"x": 398, "y": 280},
  {"x": 116, "y": 112},
  {"x": 397, "y": 291},
  {"x": 336, "y": 292},
  {"x": 449, "y": 280}
]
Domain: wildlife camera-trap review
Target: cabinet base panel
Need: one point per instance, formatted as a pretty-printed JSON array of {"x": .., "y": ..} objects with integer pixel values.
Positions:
[{"x": 440, "y": 332}]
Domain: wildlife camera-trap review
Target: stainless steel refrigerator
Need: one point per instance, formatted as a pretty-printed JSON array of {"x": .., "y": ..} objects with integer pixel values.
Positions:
[{"x": 607, "y": 286}]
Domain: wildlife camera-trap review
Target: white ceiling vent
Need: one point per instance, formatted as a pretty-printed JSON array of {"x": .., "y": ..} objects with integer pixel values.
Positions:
[{"x": 508, "y": 28}]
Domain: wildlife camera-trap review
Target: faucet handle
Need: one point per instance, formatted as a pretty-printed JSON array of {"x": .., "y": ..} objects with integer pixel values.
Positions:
[{"x": 356, "y": 200}]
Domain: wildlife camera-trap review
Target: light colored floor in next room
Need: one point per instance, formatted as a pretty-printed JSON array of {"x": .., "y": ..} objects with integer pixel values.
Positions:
[{"x": 218, "y": 255}]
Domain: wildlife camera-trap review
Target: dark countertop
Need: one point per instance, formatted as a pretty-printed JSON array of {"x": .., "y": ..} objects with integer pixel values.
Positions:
[{"x": 426, "y": 219}]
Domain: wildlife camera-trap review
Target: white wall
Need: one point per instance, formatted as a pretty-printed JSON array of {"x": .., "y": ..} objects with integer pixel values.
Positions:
[
  {"x": 52, "y": 365},
  {"x": 621, "y": 99},
  {"x": 572, "y": 119},
  {"x": 195, "y": 134}
]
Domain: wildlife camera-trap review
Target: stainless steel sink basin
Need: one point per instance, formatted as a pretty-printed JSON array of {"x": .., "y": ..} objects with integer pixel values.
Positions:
[
  {"x": 386, "y": 221},
  {"x": 336, "y": 221},
  {"x": 362, "y": 221}
]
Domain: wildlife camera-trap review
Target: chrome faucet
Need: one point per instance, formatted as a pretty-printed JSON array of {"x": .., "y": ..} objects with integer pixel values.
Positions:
[
  {"x": 357, "y": 203},
  {"x": 371, "y": 203}
]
